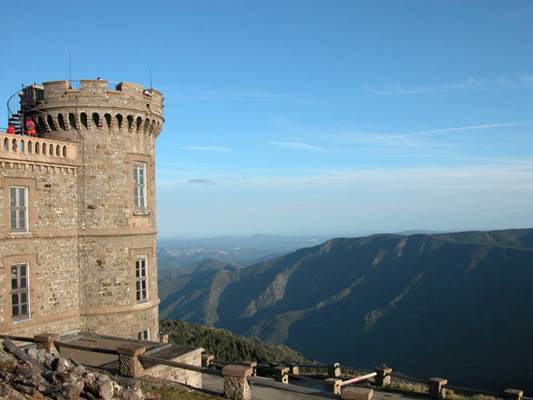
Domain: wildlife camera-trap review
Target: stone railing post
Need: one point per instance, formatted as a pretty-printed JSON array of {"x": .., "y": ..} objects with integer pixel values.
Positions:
[
  {"x": 236, "y": 386},
  {"x": 513, "y": 394},
  {"x": 356, "y": 393},
  {"x": 437, "y": 388},
  {"x": 334, "y": 370},
  {"x": 128, "y": 359},
  {"x": 207, "y": 359},
  {"x": 334, "y": 385},
  {"x": 252, "y": 365},
  {"x": 281, "y": 374},
  {"x": 45, "y": 341},
  {"x": 383, "y": 377}
]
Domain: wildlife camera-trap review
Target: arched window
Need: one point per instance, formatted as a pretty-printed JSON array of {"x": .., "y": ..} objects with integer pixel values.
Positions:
[
  {"x": 96, "y": 120},
  {"x": 146, "y": 127},
  {"x": 50, "y": 122},
  {"x": 21, "y": 146},
  {"x": 83, "y": 118},
  {"x": 37, "y": 148},
  {"x": 107, "y": 118},
  {"x": 40, "y": 124},
  {"x": 45, "y": 147},
  {"x": 119, "y": 121},
  {"x": 64, "y": 151},
  {"x": 51, "y": 150},
  {"x": 6, "y": 144},
  {"x": 139, "y": 123},
  {"x": 30, "y": 147},
  {"x": 14, "y": 145},
  {"x": 58, "y": 150},
  {"x": 61, "y": 122},
  {"x": 130, "y": 122},
  {"x": 72, "y": 121}
]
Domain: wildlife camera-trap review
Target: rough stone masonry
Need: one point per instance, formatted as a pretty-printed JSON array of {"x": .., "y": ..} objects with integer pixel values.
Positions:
[{"x": 85, "y": 229}]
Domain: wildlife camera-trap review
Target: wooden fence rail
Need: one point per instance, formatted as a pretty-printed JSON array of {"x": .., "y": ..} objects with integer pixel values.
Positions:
[
  {"x": 85, "y": 348},
  {"x": 358, "y": 379}
]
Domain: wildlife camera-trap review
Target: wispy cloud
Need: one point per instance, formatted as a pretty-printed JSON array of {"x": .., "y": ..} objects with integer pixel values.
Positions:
[
  {"x": 397, "y": 89},
  {"x": 299, "y": 146},
  {"x": 213, "y": 149},
  {"x": 199, "y": 181},
  {"x": 402, "y": 138},
  {"x": 459, "y": 129},
  {"x": 519, "y": 82},
  {"x": 198, "y": 94}
]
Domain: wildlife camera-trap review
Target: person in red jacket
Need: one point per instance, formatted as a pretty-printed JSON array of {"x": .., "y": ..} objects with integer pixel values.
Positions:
[
  {"x": 30, "y": 127},
  {"x": 11, "y": 129}
]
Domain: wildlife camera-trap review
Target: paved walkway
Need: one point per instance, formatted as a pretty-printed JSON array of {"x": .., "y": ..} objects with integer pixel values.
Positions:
[{"x": 268, "y": 389}]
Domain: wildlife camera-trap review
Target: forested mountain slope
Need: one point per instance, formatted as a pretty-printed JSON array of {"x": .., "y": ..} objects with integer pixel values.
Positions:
[{"x": 458, "y": 305}]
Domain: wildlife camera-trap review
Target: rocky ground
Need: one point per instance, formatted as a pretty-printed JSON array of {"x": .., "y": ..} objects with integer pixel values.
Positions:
[{"x": 36, "y": 374}]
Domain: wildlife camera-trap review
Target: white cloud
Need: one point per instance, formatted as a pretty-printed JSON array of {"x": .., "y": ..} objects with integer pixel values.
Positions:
[
  {"x": 231, "y": 95},
  {"x": 397, "y": 89},
  {"x": 519, "y": 82},
  {"x": 214, "y": 149},
  {"x": 300, "y": 146}
]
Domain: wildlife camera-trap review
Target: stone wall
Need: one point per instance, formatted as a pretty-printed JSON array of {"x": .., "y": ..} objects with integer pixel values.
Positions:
[
  {"x": 85, "y": 232},
  {"x": 187, "y": 377}
]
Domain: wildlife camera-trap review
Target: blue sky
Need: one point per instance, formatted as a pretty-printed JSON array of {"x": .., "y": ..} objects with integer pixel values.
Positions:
[{"x": 307, "y": 117}]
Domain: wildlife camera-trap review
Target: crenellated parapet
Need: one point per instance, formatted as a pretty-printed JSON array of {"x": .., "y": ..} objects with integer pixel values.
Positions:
[{"x": 94, "y": 104}]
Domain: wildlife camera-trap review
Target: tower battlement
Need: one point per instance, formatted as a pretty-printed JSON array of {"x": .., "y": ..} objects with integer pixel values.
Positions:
[{"x": 58, "y": 106}]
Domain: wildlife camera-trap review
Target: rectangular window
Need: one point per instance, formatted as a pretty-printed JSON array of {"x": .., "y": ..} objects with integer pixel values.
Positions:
[
  {"x": 18, "y": 206},
  {"x": 139, "y": 185},
  {"x": 141, "y": 278},
  {"x": 144, "y": 335},
  {"x": 19, "y": 291}
]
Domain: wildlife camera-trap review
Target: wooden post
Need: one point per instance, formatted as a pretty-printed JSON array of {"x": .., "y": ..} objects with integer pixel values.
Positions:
[
  {"x": 236, "y": 386},
  {"x": 128, "y": 359},
  {"x": 45, "y": 341},
  {"x": 513, "y": 394},
  {"x": 437, "y": 389},
  {"x": 281, "y": 374},
  {"x": 334, "y": 370},
  {"x": 334, "y": 385},
  {"x": 294, "y": 370},
  {"x": 356, "y": 393},
  {"x": 383, "y": 376}
]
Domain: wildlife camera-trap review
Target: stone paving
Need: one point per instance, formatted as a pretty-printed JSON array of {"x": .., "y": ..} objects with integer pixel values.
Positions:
[{"x": 268, "y": 389}]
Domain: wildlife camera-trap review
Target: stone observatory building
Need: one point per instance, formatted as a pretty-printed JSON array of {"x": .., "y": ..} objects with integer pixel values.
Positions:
[{"x": 77, "y": 210}]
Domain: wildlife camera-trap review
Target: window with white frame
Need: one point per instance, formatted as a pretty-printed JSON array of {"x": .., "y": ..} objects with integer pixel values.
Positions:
[
  {"x": 139, "y": 185},
  {"x": 20, "y": 300},
  {"x": 144, "y": 335},
  {"x": 141, "y": 278},
  {"x": 18, "y": 206}
]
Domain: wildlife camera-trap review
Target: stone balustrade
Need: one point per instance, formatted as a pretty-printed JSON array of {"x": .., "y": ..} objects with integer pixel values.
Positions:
[{"x": 28, "y": 148}]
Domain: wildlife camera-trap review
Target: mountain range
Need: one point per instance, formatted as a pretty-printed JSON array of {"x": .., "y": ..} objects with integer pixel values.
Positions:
[
  {"x": 458, "y": 305},
  {"x": 235, "y": 250}
]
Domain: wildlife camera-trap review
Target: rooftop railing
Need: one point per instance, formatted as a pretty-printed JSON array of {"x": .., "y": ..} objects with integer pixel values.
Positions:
[{"x": 38, "y": 149}]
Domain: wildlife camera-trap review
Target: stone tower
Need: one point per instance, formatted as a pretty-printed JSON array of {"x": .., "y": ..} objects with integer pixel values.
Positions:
[{"x": 77, "y": 222}]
